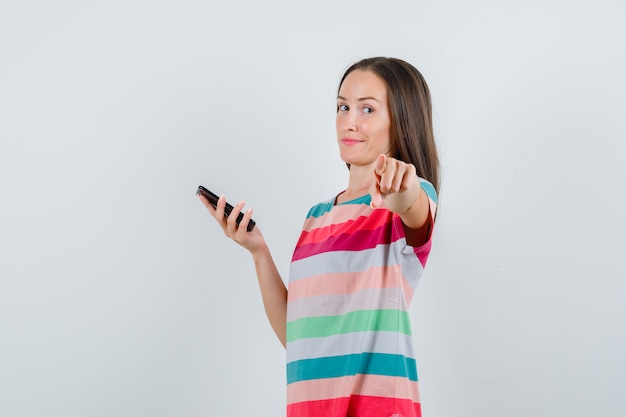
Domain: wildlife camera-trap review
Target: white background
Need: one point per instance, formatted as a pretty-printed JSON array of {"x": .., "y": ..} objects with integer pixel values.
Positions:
[{"x": 119, "y": 296}]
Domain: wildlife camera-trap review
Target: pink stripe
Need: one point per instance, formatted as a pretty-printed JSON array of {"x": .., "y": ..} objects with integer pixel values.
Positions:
[
  {"x": 346, "y": 282},
  {"x": 361, "y": 240},
  {"x": 364, "y": 221},
  {"x": 423, "y": 251},
  {"x": 369, "y": 385},
  {"x": 408, "y": 291},
  {"x": 356, "y": 405}
]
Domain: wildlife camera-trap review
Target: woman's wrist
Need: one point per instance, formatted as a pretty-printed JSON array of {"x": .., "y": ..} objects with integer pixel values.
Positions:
[{"x": 259, "y": 251}]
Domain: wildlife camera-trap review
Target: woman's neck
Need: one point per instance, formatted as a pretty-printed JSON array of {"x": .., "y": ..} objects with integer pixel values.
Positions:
[{"x": 359, "y": 182}]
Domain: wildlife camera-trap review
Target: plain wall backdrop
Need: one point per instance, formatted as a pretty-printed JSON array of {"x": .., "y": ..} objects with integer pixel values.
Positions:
[{"x": 120, "y": 296}]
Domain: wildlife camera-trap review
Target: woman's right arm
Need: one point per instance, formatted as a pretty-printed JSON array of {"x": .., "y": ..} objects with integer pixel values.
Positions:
[{"x": 273, "y": 290}]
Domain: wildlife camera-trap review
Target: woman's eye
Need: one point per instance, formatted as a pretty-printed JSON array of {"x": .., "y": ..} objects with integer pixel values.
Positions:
[
  {"x": 342, "y": 107},
  {"x": 368, "y": 110}
]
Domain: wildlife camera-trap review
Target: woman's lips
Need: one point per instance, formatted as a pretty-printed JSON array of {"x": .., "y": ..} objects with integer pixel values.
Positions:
[{"x": 350, "y": 141}]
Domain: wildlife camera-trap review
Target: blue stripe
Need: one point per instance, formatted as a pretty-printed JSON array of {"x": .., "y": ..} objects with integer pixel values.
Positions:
[
  {"x": 320, "y": 209},
  {"x": 366, "y": 199},
  {"x": 429, "y": 189},
  {"x": 324, "y": 207},
  {"x": 349, "y": 365}
]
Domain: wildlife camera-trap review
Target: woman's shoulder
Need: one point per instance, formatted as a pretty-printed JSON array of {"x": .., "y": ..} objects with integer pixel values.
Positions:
[
  {"x": 429, "y": 188},
  {"x": 319, "y": 209}
]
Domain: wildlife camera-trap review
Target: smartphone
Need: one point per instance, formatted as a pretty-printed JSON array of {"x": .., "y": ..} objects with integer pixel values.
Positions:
[{"x": 213, "y": 200}]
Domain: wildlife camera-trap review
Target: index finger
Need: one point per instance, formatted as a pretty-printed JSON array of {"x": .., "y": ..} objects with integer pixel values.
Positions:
[{"x": 380, "y": 164}]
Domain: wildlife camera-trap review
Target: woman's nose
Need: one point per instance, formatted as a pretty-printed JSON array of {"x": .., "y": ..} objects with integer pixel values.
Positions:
[{"x": 349, "y": 122}]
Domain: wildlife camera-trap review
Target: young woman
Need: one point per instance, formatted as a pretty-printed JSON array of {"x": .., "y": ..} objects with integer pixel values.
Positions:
[{"x": 344, "y": 318}]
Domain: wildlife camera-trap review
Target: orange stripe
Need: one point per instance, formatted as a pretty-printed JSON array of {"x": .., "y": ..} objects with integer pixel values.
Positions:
[
  {"x": 339, "y": 214},
  {"x": 366, "y": 385},
  {"x": 346, "y": 282}
]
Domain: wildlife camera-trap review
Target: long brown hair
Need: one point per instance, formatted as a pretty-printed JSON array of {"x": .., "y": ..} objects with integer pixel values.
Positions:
[{"x": 412, "y": 138}]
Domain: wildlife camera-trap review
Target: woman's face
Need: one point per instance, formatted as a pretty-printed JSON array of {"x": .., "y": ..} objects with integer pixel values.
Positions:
[{"x": 363, "y": 118}]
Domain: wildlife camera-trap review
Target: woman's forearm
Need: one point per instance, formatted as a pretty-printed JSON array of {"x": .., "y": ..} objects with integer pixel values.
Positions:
[{"x": 273, "y": 291}]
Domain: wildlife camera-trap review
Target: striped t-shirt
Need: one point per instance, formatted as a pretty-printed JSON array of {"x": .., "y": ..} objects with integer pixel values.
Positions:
[{"x": 349, "y": 344}]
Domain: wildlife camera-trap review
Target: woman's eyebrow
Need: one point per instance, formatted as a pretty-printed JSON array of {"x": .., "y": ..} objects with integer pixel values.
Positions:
[{"x": 359, "y": 99}]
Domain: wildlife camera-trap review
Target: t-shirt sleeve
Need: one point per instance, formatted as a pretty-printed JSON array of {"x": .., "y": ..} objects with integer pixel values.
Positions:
[{"x": 423, "y": 250}]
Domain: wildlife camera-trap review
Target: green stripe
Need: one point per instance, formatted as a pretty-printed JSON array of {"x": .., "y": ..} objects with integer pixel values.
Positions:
[
  {"x": 348, "y": 365},
  {"x": 356, "y": 321}
]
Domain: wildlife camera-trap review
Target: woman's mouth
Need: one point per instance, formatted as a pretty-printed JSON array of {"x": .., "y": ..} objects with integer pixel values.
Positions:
[{"x": 350, "y": 141}]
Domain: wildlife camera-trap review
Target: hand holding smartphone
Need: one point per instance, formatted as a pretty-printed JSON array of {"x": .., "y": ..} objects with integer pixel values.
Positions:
[{"x": 227, "y": 209}]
